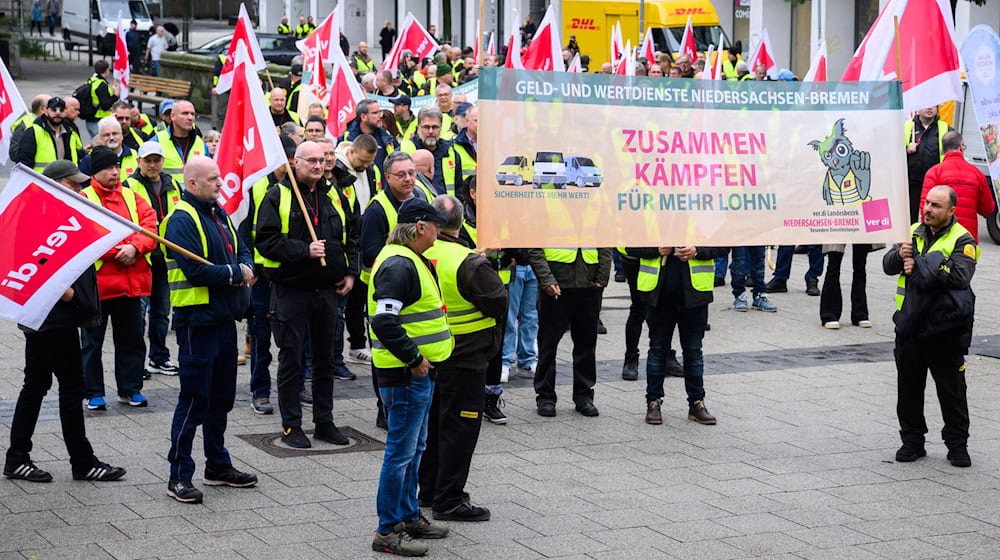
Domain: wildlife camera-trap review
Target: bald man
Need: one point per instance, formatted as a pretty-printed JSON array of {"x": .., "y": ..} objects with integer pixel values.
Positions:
[
  {"x": 179, "y": 140},
  {"x": 424, "y": 161},
  {"x": 206, "y": 308},
  {"x": 279, "y": 112},
  {"x": 308, "y": 277}
]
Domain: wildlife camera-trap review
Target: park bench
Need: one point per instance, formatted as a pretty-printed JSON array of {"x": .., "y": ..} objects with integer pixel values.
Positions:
[{"x": 153, "y": 89}]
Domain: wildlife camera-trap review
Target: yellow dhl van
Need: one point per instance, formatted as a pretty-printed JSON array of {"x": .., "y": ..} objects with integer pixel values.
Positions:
[{"x": 592, "y": 22}]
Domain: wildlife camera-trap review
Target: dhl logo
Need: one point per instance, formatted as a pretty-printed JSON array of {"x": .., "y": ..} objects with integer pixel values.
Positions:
[
  {"x": 689, "y": 11},
  {"x": 584, "y": 24}
]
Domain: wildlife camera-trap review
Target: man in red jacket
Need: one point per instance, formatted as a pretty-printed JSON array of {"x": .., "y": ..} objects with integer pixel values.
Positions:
[
  {"x": 124, "y": 277},
  {"x": 974, "y": 196}
]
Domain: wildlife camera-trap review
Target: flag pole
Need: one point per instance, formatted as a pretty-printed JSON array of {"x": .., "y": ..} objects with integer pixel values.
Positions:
[
  {"x": 176, "y": 247},
  {"x": 479, "y": 32},
  {"x": 269, "y": 82},
  {"x": 302, "y": 206},
  {"x": 899, "y": 65}
]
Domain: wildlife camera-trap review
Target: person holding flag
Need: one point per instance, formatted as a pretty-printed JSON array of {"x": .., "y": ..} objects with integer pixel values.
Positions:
[
  {"x": 207, "y": 299},
  {"x": 54, "y": 349},
  {"x": 311, "y": 265}
]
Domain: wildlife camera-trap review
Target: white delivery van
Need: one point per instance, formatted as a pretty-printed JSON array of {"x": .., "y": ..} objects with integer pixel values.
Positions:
[
  {"x": 98, "y": 24},
  {"x": 550, "y": 169}
]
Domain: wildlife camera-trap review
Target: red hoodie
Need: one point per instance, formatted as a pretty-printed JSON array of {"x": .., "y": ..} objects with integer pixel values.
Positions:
[
  {"x": 115, "y": 279},
  {"x": 974, "y": 196}
]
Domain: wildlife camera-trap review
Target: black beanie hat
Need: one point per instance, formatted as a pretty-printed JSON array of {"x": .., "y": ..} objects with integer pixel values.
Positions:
[{"x": 102, "y": 158}]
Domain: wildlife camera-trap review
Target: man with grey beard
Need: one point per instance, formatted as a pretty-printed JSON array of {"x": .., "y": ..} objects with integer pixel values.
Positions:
[{"x": 447, "y": 162}]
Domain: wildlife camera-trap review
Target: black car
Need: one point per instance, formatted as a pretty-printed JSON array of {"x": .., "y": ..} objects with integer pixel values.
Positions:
[{"x": 277, "y": 49}]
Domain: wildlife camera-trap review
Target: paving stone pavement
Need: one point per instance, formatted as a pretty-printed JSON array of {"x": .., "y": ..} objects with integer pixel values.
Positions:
[{"x": 800, "y": 465}]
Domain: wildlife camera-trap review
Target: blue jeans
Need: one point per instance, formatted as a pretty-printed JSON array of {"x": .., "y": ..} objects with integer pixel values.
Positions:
[
  {"x": 159, "y": 313},
  {"x": 522, "y": 318},
  {"x": 207, "y": 361},
  {"x": 691, "y": 323},
  {"x": 408, "y": 409},
  {"x": 748, "y": 260},
  {"x": 721, "y": 264},
  {"x": 783, "y": 264},
  {"x": 155, "y": 65},
  {"x": 259, "y": 325}
]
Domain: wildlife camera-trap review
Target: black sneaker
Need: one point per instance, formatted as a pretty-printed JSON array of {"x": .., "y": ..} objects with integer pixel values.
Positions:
[
  {"x": 229, "y": 477},
  {"x": 295, "y": 437},
  {"x": 959, "y": 457},
  {"x": 100, "y": 472},
  {"x": 910, "y": 452},
  {"x": 26, "y": 471},
  {"x": 547, "y": 409},
  {"x": 776, "y": 286},
  {"x": 183, "y": 491},
  {"x": 463, "y": 512},
  {"x": 492, "y": 412},
  {"x": 630, "y": 368},
  {"x": 587, "y": 408},
  {"x": 343, "y": 374},
  {"x": 329, "y": 433}
]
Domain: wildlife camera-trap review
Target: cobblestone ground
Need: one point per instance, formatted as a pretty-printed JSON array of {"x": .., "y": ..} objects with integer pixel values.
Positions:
[{"x": 800, "y": 465}]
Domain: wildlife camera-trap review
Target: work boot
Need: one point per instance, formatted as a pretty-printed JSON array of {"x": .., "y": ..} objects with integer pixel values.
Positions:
[
  {"x": 698, "y": 413},
  {"x": 812, "y": 286},
  {"x": 653, "y": 414},
  {"x": 630, "y": 369},
  {"x": 492, "y": 411},
  {"x": 776, "y": 286}
]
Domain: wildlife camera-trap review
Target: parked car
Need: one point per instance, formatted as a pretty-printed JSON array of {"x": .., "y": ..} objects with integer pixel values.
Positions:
[
  {"x": 277, "y": 49},
  {"x": 515, "y": 170},
  {"x": 582, "y": 172}
]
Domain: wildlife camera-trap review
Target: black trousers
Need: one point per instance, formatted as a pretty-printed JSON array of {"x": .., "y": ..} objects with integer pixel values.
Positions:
[
  {"x": 831, "y": 300},
  {"x": 456, "y": 416},
  {"x": 300, "y": 313},
  {"x": 636, "y": 308},
  {"x": 913, "y": 359},
  {"x": 47, "y": 353},
  {"x": 494, "y": 368},
  {"x": 577, "y": 309},
  {"x": 354, "y": 315}
]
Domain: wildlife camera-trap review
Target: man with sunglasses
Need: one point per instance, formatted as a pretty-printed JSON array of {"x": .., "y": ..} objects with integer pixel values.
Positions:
[
  {"x": 52, "y": 137},
  {"x": 308, "y": 277}
]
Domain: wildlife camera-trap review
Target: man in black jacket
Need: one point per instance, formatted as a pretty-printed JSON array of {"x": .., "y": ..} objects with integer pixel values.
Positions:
[
  {"x": 676, "y": 285},
  {"x": 308, "y": 278},
  {"x": 60, "y": 138},
  {"x": 933, "y": 329},
  {"x": 208, "y": 299},
  {"x": 54, "y": 349}
]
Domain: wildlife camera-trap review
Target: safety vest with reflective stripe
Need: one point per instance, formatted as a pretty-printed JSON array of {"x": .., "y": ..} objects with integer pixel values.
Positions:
[
  {"x": 944, "y": 245},
  {"x": 728, "y": 69},
  {"x": 257, "y": 192},
  {"x": 182, "y": 292},
  {"x": 382, "y": 199},
  {"x": 24, "y": 122},
  {"x": 942, "y": 128},
  {"x": 351, "y": 193},
  {"x": 222, "y": 60},
  {"x": 424, "y": 321},
  {"x": 284, "y": 211},
  {"x": 45, "y": 147},
  {"x": 133, "y": 212},
  {"x": 293, "y": 110},
  {"x": 364, "y": 67},
  {"x": 409, "y": 130},
  {"x": 447, "y": 164},
  {"x": 127, "y": 166},
  {"x": 702, "y": 274},
  {"x": 568, "y": 256},
  {"x": 96, "y": 82},
  {"x": 468, "y": 162},
  {"x": 463, "y": 317},
  {"x": 173, "y": 193},
  {"x": 284, "y": 29},
  {"x": 173, "y": 163}
]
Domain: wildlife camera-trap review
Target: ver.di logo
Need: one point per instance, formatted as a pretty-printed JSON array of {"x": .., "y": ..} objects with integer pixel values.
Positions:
[{"x": 848, "y": 171}]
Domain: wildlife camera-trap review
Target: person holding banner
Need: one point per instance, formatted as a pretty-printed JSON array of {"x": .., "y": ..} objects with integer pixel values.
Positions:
[
  {"x": 935, "y": 308},
  {"x": 207, "y": 299},
  {"x": 311, "y": 268},
  {"x": 124, "y": 277},
  {"x": 572, "y": 282},
  {"x": 54, "y": 349},
  {"x": 676, "y": 284}
]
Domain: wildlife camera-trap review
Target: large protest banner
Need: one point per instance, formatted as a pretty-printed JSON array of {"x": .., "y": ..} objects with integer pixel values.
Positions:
[{"x": 583, "y": 160}]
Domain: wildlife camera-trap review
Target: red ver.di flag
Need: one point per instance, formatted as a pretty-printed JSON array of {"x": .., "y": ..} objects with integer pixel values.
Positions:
[
  {"x": 52, "y": 236},
  {"x": 121, "y": 71},
  {"x": 249, "y": 147},
  {"x": 242, "y": 35},
  {"x": 412, "y": 37},
  {"x": 11, "y": 109}
]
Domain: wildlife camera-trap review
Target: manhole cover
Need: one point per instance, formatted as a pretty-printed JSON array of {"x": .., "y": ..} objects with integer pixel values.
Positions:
[{"x": 270, "y": 443}]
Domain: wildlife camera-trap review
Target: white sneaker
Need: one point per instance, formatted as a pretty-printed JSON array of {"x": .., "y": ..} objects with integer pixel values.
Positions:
[
  {"x": 504, "y": 374},
  {"x": 359, "y": 356},
  {"x": 865, "y": 324},
  {"x": 832, "y": 325}
]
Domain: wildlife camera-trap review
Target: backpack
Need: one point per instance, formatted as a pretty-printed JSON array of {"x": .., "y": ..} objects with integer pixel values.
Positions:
[{"x": 87, "y": 109}]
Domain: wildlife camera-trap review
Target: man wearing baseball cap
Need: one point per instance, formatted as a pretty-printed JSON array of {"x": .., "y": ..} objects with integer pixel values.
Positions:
[
  {"x": 166, "y": 110},
  {"x": 410, "y": 335},
  {"x": 406, "y": 121},
  {"x": 162, "y": 193},
  {"x": 50, "y": 138},
  {"x": 54, "y": 349}
]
